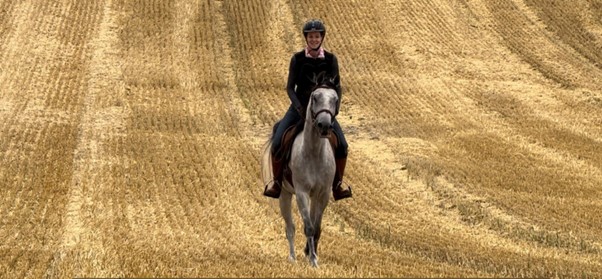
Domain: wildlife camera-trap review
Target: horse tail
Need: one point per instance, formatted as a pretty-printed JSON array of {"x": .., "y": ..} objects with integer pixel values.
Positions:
[
  {"x": 266, "y": 162},
  {"x": 266, "y": 157}
]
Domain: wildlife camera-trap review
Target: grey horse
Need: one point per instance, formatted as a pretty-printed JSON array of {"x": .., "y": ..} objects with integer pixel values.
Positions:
[{"x": 313, "y": 167}]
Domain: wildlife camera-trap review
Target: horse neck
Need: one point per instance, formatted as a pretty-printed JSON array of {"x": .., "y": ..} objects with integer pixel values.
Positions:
[{"x": 312, "y": 142}]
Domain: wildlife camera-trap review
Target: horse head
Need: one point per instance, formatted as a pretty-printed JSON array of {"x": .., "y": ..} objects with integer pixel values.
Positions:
[{"x": 322, "y": 104}]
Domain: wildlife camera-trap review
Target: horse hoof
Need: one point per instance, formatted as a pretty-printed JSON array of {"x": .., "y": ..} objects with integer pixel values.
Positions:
[
  {"x": 314, "y": 263},
  {"x": 292, "y": 259}
]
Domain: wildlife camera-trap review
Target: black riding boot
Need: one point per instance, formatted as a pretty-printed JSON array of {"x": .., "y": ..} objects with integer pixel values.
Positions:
[
  {"x": 273, "y": 190},
  {"x": 337, "y": 186}
]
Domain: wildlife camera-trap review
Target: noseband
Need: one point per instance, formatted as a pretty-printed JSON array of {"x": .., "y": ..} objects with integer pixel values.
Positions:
[{"x": 314, "y": 115}]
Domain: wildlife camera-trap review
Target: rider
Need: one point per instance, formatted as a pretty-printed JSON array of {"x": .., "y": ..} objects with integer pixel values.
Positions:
[{"x": 304, "y": 66}]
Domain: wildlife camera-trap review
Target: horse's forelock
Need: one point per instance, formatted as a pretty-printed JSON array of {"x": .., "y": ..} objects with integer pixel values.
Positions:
[
  {"x": 322, "y": 80},
  {"x": 329, "y": 84}
]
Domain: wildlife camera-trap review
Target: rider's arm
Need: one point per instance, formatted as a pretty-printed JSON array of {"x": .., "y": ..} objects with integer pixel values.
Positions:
[
  {"x": 290, "y": 85},
  {"x": 337, "y": 81}
]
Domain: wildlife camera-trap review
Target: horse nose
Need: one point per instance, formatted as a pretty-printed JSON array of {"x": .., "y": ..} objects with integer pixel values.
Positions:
[{"x": 324, "y": 127}]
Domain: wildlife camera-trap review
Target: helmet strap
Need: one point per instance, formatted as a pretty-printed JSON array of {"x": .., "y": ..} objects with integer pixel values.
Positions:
[{"x": 314, "y": 49}]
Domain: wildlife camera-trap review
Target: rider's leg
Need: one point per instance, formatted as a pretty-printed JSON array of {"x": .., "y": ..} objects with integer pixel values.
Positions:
[
  {"x": 273, "y": 189},
  {"x": 290, "y": 118},
  {"x": 340, "y": 155}
]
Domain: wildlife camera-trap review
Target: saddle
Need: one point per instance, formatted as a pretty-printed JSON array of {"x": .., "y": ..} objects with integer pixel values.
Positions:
[{"x": 284, "y": 154}]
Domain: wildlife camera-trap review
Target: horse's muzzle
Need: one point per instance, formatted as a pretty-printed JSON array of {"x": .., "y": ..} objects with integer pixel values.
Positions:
[
  {"x": 323, "y": 121},
  {"x": 324, "y": 128}
]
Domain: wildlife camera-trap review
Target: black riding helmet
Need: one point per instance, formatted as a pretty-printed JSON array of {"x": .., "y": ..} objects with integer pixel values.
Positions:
[{"x": 314, "y": 25}]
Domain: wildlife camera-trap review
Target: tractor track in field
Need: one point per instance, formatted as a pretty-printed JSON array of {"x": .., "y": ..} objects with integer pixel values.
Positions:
[{"x": 131, "y": 133}]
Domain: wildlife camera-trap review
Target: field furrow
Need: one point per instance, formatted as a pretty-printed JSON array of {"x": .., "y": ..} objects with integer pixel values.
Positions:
[
  {"x": 553, "y": 58},
  {"x": 573, "y": 24},
  {"x": 131, "y": 135},
  {"x": 42, "y": 130}
]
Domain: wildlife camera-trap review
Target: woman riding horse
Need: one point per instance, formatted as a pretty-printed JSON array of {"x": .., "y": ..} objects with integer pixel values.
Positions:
[{"x": 305, "y": 65}]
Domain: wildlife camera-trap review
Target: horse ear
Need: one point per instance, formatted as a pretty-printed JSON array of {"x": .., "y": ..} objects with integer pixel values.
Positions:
[
  {"x": 322, "y": 77},
  {"x": 315, "y": 79}
]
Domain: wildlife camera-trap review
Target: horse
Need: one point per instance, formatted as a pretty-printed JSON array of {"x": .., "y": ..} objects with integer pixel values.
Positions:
[{"x": 312, "y": 168}]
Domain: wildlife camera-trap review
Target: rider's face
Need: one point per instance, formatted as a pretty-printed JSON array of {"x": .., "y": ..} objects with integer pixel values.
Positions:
[{"x": 314, "y": 39}]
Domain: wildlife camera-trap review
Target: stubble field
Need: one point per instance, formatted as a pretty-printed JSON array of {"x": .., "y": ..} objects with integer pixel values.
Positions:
[{"x": 131, "y": 132}]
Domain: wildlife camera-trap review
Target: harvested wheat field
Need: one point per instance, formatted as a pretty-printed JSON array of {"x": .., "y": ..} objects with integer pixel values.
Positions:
[{"x": 131, "y": 133}]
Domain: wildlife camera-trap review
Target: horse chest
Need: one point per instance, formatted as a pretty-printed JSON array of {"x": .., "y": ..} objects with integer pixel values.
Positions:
[{"x": 313, "y": 172}]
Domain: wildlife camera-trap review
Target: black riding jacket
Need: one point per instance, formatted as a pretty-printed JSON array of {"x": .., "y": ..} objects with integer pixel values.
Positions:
[{"x": 301, "y": 71}]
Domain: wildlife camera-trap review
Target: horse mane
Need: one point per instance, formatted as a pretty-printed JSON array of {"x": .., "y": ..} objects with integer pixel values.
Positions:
[{"x": 322, "y": 80}]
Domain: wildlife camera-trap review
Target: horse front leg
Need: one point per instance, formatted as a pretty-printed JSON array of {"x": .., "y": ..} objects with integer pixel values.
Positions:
[
  {"x": 318, "y": 206},
  {"x": 308, "y": 227},
  {"x": 286, "y": 211}
]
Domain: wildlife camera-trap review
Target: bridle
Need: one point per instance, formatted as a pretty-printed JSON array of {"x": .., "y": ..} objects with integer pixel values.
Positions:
[{"x": 314, "y": 115}]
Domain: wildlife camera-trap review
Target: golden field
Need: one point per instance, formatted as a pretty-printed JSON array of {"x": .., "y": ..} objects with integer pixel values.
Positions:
[{"x": 131, "y": 134}]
